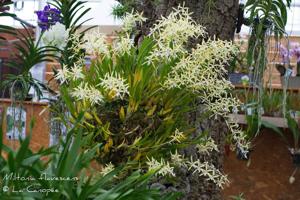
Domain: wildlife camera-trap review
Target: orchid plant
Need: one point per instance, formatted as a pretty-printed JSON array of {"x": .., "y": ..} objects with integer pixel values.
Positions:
[
  {"x": 48, "y": 17},
  {"x": 136, "y": 99},
  {"x": 287, "y": 54},
  {"x": 30, "y": 52},
  {"x": 296, "y": 52}
]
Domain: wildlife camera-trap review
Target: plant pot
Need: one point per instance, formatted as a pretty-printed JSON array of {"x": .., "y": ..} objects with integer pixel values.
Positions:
[
  {"x": 296, "y": 159},
  {"x": 235, "y": 78},
  {"x": 298, "y": 68},
  {"x": 241, "y": 156},
  {"x": 19, "y": 92},
  {"x": 29, "y": 97}
]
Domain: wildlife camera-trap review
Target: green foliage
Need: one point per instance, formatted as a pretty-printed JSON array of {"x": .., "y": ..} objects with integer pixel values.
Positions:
[
  {"x": 266, "y": 18},
  {"x": 293, "y": 101},
  {"x": 238, "y": 197},
  {"x": 252, "y": 126},
  {"x": 137, "y": 100},
  {"x": 272, "y": 100},
  {"x": 59, "y": 173},
  {"x": 295, "y": 129},
  {"x": 72, "y": 12},
  {"x": 141, "y": 125},
  {"x": 272, "y": 106},
  {"x": 29, "y": 53},
  {"x": 120, "y": 10},
  {"x": 266, "y": 12},
  {"x": 239, "y": 62}
]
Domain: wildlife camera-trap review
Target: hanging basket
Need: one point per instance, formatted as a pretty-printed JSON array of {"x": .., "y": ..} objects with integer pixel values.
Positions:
[{"x": 19, "y": 92}]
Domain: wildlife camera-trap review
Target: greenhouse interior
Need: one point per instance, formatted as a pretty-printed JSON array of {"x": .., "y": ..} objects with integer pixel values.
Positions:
[{"x": 150, "y": 100}]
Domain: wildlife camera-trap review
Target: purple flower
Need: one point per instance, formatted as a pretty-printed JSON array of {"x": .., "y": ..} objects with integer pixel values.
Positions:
[
  {"x": 48, "y": 17},
  {"x": 296, "y": 51},
  {"x": 284, "y": 53},
  {"x": 4, "y": 8}
]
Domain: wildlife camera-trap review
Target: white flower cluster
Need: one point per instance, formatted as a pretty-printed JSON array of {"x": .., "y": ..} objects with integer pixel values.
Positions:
[
  {"x": 238, "y": 136},
  {"x": 223, "y": 106},
  {"x": 76, "y": 72},
  {"x": 177, "y": 137},
  {"x": 196, "y": 166},
  {"x": 95, "y": 43},
  {"x": 163, "y": 167},
  {"x": 203, "y": 69},
  {"x": 172, "y": 33},
  {"x": 131, "y": 19},
  {"x": 203, "y": 72},
  {"x": 115, "y": 84},
  {"x": 65, "y": 74},
  {"x": 209, "y": 171},
  {"x": 62, "y": 75},
  {"x": 86, "y": 92},
  {"x": 76, "y": 46},
  {"x": 177, "y": 159},
  {"x": 123, "y": 45},
  {"x": 208, "y": 145},
  {"x": 107, "y": 169},
  {"x": 56, "y": 36}
]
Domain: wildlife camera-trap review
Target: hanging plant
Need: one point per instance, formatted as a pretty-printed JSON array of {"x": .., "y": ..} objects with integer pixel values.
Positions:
[
  {"x": 266, "y": 18},
  {"x": 136, "y": 99}
]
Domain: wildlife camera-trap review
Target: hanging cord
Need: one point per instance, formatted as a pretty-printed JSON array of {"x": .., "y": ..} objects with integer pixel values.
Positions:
[
  {"x": 262, "y": 62},
  {"x": 13, "y": 106}
]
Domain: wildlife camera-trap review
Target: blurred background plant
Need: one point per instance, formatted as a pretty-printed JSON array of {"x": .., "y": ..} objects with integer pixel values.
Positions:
[
  {"x": 119, "y": 11},
  {"x": 239, "y": 62},
  {"x": 266, "y": 18},
  {"x": 272, "y": 101},
  {"x": 29, "y": 54}
]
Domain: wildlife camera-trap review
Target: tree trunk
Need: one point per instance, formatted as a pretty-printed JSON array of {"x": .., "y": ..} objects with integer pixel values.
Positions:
[{"x": 219, "y": 17}]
